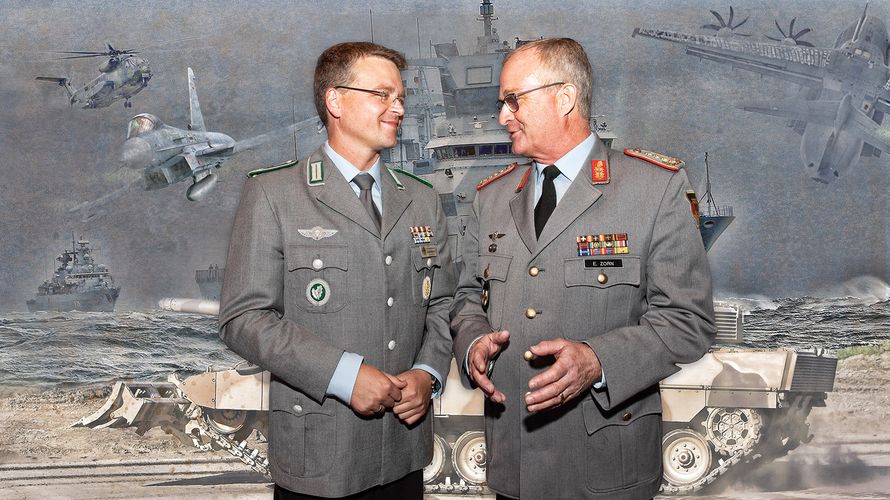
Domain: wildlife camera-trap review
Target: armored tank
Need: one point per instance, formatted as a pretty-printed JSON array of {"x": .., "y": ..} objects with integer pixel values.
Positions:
[{"x": 79, "y": 283}]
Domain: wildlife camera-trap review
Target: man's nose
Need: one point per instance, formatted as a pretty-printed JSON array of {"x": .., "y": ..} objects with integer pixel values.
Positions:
[{"x": 504, "y": 115}]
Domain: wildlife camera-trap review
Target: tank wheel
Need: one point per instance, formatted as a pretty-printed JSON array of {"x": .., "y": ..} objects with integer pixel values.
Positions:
[
  {"x": 225, "y": 421},
  {"x": 469, "y": 457},
  {"x": 733, "y": 429},
  {"x": 686, "y": 457},
  {"x": 437, "y": 464}
]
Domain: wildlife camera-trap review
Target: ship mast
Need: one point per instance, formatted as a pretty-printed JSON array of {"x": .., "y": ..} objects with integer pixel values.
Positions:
[{"x": 710, "y": 204}]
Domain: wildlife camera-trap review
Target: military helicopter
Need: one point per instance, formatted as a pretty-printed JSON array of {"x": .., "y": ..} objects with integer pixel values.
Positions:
[
  {"x": 844, "y": 90},
  {"x": 169, "y": 155},
  {"x": 122, "y": 76}
]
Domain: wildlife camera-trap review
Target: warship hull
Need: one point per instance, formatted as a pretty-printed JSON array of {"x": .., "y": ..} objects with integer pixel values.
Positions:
[{"x": 90, "y": 301}]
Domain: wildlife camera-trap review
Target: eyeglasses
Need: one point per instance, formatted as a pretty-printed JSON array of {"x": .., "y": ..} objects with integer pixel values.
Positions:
[
  {"x": 387, "y": 98},
  {"x": 512, "y": 99}
]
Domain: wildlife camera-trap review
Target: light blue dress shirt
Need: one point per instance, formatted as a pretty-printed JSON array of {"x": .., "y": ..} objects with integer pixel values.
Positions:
[
  {"x": 569, "y": 165},
  {"x": 343, "y": 381}
]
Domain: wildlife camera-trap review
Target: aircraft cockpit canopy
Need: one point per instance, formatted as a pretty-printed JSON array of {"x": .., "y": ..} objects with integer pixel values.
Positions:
[{"x": 141, "y": 124}]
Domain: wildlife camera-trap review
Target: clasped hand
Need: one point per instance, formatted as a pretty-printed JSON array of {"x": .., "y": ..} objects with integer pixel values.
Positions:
[{"x": 407, "y": 394}]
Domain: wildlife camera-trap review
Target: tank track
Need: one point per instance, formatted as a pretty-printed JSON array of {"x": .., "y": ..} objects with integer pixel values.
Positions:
[
  {"x": 725, "y": 464},
  {"x": 217, "y": 440}
]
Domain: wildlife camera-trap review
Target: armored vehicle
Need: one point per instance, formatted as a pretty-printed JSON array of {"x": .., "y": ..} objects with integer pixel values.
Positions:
[{"x": 79, "y": 283}]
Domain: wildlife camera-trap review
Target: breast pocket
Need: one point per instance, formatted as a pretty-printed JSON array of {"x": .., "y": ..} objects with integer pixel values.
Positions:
[
  {"x": 423, "y": 276},
  {"x": 492, "y": 274},
  {"x": 602, "y": 289},
  {"x": 317, "y": 277}
]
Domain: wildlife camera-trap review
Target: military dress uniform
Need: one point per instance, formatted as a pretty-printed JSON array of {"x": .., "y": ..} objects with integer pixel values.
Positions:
[
  {"x": 620, "y": 266},
  {"x": 308, "y": 277}
]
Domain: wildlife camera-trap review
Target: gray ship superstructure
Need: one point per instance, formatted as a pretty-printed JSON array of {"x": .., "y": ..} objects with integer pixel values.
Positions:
[
  {"x": 79, "y": 284},
  {"x": 210, "y": 281},
  {"x": 452, "y": 139}
]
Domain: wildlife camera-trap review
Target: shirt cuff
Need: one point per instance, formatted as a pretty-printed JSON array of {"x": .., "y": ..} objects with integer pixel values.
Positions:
[
  {"x": 343, "y": 380},
  {"x": 597, "y": 386},
  {"x": 433, "y": 373}
]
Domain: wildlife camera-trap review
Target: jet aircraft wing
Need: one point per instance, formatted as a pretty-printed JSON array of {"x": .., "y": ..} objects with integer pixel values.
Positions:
[{"x": 798, "y": 64}]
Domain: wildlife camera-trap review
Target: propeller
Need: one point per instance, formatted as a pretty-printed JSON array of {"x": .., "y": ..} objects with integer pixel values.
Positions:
[
  {"x": 725, "y": 25},
  {"x": 111, "y": 52},
  {"x": 791, "y": 38}
]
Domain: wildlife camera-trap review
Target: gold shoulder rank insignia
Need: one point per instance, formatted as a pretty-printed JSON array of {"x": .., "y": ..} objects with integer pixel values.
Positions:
[
  {"x": 287, "y": 164},
  {"x": 495, "y": 176},
  {"x": 663, "y": 161}
]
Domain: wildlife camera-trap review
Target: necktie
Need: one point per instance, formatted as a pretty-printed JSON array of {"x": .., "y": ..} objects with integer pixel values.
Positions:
[
  {"x": 547, "y": 202},
  {"x": 364, "y": 183}
]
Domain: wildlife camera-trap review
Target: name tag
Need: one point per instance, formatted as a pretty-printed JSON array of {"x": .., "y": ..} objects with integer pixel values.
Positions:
[{"x": 603, "y": 263}]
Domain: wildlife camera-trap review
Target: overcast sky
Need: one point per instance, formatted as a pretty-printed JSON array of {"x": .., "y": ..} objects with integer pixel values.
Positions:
[{"x": 792, "y": 236}]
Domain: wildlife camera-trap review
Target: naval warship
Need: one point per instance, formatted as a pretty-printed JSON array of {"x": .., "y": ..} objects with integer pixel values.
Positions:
[
  {"x": 210, "y": 281},
  {"x": 450, "y": 135},
  {"x": 78, "y": 284}
]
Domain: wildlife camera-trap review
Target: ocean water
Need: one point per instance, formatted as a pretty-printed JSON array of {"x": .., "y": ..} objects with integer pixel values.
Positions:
[{"x": 76, "y": 349}]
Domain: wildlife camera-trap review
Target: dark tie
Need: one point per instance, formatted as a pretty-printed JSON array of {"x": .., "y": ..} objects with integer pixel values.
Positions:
[
  {"x": 364, "y": 183},
  {"x": 547, "y": 202}
]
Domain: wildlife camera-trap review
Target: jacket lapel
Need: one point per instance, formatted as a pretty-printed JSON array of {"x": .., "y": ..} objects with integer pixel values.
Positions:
[
  {"x": 395, "y": 202},
  {"x": 338, "y": 195},
  {"x": 522, "y": 206}
]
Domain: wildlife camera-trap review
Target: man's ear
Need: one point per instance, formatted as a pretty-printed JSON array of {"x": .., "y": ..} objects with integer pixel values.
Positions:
[
  {"x": 567, "y": 99},
  {"x": 332, "y": 102}
]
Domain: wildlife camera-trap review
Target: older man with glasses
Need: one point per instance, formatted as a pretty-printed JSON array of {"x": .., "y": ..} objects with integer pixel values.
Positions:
[
  {"x": 339, "y": 281},
  {"x": 598, "y": 286}
]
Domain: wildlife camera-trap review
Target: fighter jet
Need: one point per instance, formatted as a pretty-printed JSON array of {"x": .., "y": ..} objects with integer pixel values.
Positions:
[
  {"x": 845, "y": 90},
  {"x": 168, "y": 154}
]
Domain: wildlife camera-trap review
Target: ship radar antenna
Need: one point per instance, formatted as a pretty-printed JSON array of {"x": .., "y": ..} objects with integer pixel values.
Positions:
[{"x": 486, "y": 15}]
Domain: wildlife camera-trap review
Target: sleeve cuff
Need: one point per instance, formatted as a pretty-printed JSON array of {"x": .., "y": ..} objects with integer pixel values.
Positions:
[
  {"x": 343, "y": 380},
  {"x": 437, "y": 390}
]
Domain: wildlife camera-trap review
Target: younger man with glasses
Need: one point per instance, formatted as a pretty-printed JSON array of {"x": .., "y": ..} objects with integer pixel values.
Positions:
[
  {"x": 339, "y": 282},
  {"x": 598, "y": 285}
]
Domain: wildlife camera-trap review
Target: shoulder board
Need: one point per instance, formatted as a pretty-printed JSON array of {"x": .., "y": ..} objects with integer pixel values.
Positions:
[
  {"x": 409, "y": 174},
  {"x": 495, "y": 176},
  {"x": 663, "y": 161},
  {"x": 287, "y": 164}
]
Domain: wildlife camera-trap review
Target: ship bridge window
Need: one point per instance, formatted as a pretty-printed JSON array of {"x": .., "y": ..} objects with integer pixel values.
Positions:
[
  {"x": 140, "y": 124},
  {"x": 461, "y": 151},
  {"x": 443, "y": 153},
  {"x": 486, "y": 149},
  {"x": 502, "y": 149},
  {"x": 478, "y": 75}
]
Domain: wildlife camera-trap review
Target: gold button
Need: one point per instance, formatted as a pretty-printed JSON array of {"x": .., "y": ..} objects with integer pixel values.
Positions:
[
  {"x": 529, "y": 356},
  {"x": 530, "y": 313},
  {"x": 626, "y": 416},
  {"x": 533, "y": 271},
  {"x": 602, "y": 278}
]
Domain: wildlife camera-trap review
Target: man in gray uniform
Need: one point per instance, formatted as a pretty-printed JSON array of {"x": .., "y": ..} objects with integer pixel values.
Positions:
[
  {"x": 586, "y": 281},
  {"x": 339, "y": 282}
]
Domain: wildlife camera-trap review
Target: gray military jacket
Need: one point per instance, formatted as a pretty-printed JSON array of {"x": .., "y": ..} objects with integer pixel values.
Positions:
[
  {"x": 642, "y": 312},
  {"x": 308, "y": 277}
]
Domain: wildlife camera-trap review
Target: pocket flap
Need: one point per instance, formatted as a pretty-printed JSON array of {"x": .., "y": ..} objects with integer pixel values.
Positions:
[
  {"x": 299, "y": 405},
  {"x": 493, "y": 267},
  {"x": 421, "y": 262},
  {"x": 596, "y": 419},
  {"x": 316, "y": 257},
  {"x": 618, "y": 270}
]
